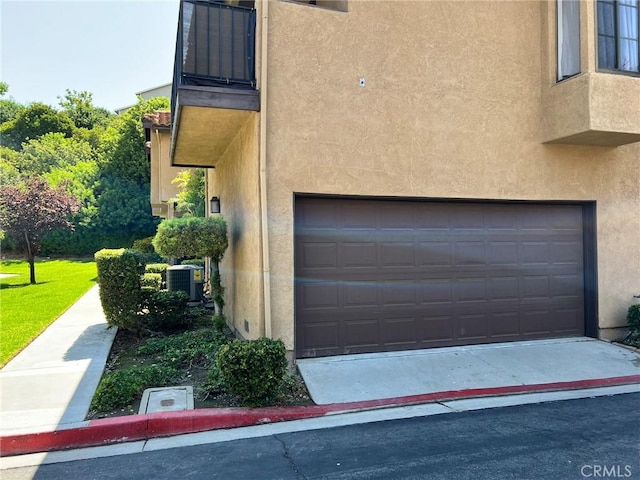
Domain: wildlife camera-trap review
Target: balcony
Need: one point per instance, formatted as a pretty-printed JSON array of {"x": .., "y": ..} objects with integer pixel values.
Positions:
[
  {"x": 594, "y": 108},
  {"x": 214, "y": 85}
]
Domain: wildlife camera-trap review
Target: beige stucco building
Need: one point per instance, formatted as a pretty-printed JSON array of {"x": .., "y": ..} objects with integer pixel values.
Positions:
[
  {"x": 412, "y": 174},
  {"x": 163, "y": 189}
]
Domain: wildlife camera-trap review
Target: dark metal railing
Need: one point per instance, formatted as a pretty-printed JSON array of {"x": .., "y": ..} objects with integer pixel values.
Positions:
[{"x": 215, "y": 46}]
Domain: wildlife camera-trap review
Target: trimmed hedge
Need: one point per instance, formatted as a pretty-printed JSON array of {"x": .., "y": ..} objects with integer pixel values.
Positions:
[
  {"x": 166, "y": 311},
  {"x": 254, "y": 370},
  {"x": 119, "y": 274},
  {"x": 160, "y": 268},
  {"x": 153, "y": 280}
]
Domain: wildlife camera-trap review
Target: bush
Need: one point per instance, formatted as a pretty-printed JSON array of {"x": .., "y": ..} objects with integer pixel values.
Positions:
[
  {"x": 633, "y": 318},
  {"x": 192, "y": 236},
  {"x": 119, "y": 274},
  {"x": 166, "y": 311},
  {"x": 152, "y": 280},
  {"x": 120, "y": 388},
  {"x": 254, "y": 370},
  {"x": 160, "y": 268},
  {"x": 144, "y": 245}
]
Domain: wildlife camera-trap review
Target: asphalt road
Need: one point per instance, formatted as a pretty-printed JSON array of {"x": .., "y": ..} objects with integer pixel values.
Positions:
[{"x": 573, "y": 439}]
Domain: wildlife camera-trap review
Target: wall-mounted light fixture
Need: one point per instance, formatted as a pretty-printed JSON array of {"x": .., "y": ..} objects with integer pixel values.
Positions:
[{"x": 215, "y": 205}]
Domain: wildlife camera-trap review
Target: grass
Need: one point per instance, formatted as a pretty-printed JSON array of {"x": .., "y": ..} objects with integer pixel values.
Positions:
[{"x": 26, "y": 310}]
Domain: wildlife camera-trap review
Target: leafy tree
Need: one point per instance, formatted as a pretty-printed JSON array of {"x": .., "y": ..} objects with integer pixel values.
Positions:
[
  {"x": 53, "y": 150},
  {"x": 31, "y": 210},
  {"x": 79, "y": 106},
  {"x": 196, "y": 237},
  {"x": 9, "y": 110},
  {"x": 8, "y": 173},
  {"x": 4, "y": 87},
  {"x": 32, "y": 122},
  {"x": 123, "y": 209},
  {"x": 122, "y": 147},
  {"x": 191, "y": 198}
]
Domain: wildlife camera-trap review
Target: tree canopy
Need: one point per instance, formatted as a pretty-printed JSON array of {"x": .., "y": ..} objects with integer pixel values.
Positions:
[
  {"x": 94, "y": 155},
  {"x": 191, "y": 198},
  {"x": 33, "y": 122},
  {"x": 30, "y": 210}
]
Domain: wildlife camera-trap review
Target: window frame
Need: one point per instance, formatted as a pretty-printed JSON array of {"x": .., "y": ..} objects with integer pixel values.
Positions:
[{"x": 617, "y": 38}]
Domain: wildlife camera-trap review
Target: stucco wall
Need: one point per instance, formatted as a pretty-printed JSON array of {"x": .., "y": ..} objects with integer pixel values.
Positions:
[
  {"x": 235, "y": 181},
  {"x": 162, "y": 173},
  {"x": 451, "y": 107}
]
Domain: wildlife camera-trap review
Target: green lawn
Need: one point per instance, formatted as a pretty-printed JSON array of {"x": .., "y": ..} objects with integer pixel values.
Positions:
[{"x": 26, "y": 310}]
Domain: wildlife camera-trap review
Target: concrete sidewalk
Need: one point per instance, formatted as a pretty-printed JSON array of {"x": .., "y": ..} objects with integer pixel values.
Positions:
[
  {"x": 363, "y": 377},
  {"x": 49, "y": 385}
]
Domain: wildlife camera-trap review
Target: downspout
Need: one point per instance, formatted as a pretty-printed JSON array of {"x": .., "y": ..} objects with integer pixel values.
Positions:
[{"x": 264, "y": 230}]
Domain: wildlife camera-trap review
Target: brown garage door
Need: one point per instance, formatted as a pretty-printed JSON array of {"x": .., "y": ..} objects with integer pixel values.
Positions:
[{"x": 380, "y": 275}]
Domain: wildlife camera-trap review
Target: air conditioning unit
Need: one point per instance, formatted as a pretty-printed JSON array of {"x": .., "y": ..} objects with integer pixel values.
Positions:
[{"x": 187, "y": 278}]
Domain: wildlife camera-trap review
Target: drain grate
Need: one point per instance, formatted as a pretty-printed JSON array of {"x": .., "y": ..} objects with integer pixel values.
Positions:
[{"x": 166, "y": 399}]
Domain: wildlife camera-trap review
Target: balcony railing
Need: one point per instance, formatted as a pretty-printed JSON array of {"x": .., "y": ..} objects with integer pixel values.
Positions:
[{"x": 215, "y": 46}]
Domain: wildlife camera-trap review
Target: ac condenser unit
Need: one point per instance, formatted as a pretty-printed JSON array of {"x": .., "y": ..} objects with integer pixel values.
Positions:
[{"x": 187, "y": 278}]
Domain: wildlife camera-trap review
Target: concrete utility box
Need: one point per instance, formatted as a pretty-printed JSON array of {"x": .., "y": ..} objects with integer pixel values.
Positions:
[
  {"x": 166, "y": 399},
  {"x": 187, "y": 278}
]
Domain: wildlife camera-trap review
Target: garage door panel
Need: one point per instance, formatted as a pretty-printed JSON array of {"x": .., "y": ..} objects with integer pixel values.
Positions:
[
  {"x": 315, "y": 295},
  {"x": 470, "y": 290},
  {"x": 503, "y": 289},
  {"x": 359, "y": 254},
  {"x": 319, "y": 255},
  {"x": 472, "y": 326},
  {"x": 538, "y": 322},
  {"x": 503, "y": 253},
  {"x": 565, "y": 286},
  {"x": 567, "y": 320},
  {"x": 360, "y": 294},
  {"x": 399, "y": 331},
  {"x": 470, "y": 253},
  {"x": 432, "y": 218},
  {"x": 466, "y": 217},
  {"x": 566, "y": 253},
  {"x": 395, "y": 215},
  {"x": 397, "y": 254},
  {"x": 435, "y": 291},
  {"x": 500, "y": 219},
  {"x": 396, "y": 293},
  {"x": 504, "y": 325},
  {"x": 436, "y": 328},
  {"x": 319, "y": 214},
  {"x": 534, "y": 253},
  {"x": 535, "y": 287},
  {"x": 434, "y": 254},
  {"x": 361, "y": 333},
  {"x": 324, "y": 335},
  {"x": 393, "y": 275}
]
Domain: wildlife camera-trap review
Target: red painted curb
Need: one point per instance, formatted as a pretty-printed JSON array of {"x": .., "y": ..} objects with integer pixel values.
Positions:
[{"x": 143, "y": 427}]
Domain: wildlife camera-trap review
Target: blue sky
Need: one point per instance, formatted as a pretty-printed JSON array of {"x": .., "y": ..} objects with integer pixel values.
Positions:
[{"x": 112, "y": 48}]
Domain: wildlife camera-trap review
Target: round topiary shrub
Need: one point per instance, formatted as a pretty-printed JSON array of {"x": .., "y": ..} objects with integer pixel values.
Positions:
[{"x": 254, "y": 370}]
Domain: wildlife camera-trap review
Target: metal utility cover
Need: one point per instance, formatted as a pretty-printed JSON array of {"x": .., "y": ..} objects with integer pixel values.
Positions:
[{"x": 166, "y": 399}]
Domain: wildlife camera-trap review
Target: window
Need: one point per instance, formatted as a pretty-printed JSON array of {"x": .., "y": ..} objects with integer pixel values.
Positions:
[
  {"x": 618, "y": 41},
  {"x": 339, "y": 5},
  {"x": 568, "y": 38}
]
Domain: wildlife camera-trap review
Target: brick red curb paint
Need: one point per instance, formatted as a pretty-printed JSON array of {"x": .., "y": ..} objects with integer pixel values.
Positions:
[{"x": 143, "y": 427}]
